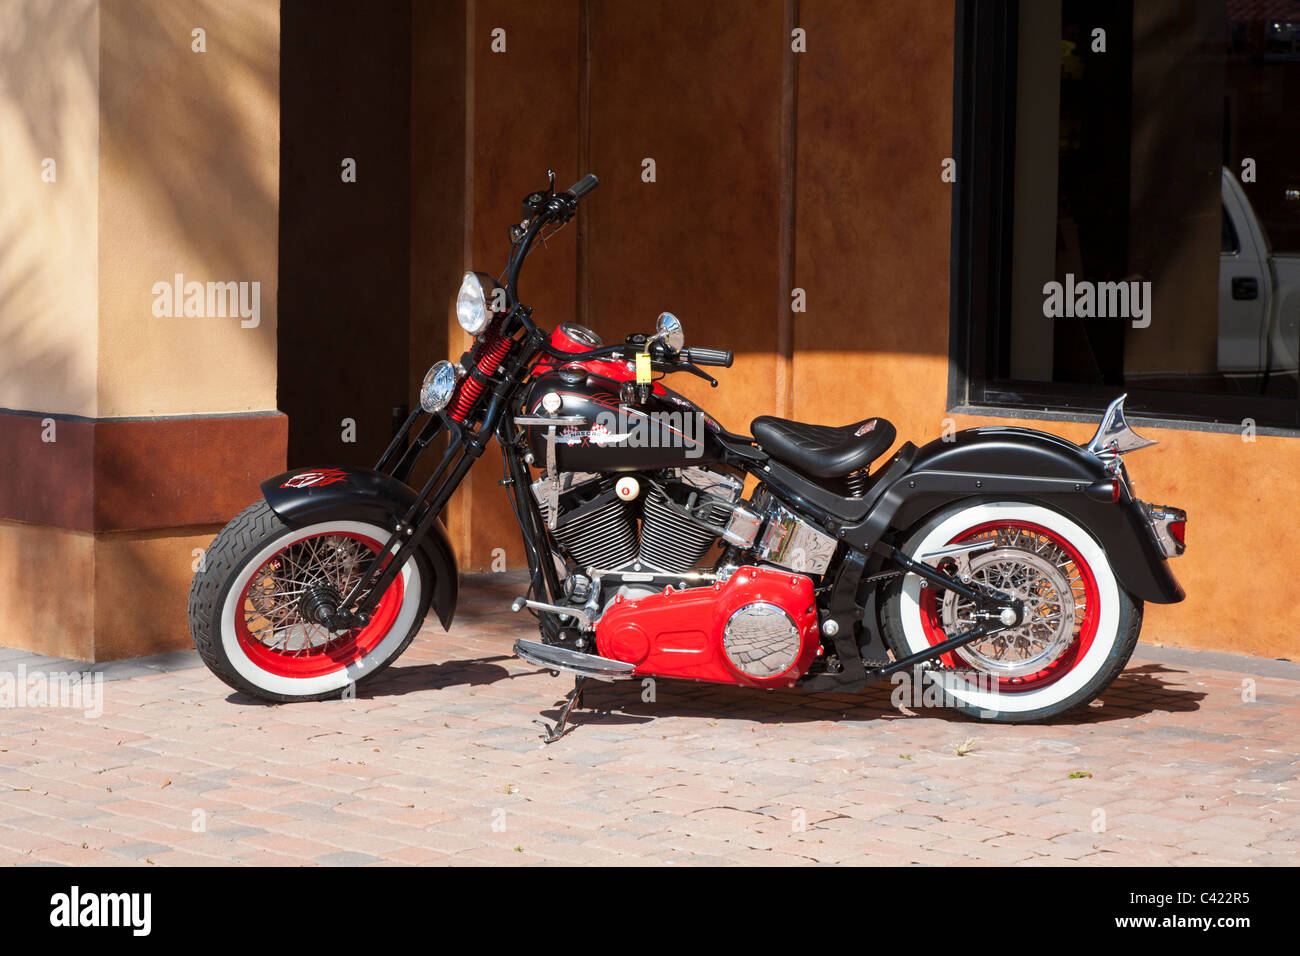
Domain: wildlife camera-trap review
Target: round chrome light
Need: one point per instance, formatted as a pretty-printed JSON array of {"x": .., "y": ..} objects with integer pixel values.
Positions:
[
  {"x": 472, "y": 310},
  {"x": 439, "y": 384}
]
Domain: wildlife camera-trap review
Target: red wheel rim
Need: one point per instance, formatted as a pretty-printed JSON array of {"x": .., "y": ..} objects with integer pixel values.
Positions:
[
  {"x": 1086, "y": 611},
  {"x": 311, "y": 660}
]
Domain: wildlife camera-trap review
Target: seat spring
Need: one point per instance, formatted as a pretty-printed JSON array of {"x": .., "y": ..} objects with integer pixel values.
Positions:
[{"x": 857, "y": 482}]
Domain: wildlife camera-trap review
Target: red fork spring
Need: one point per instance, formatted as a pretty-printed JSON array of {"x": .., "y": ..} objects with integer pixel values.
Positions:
[{"x": 494, "y": 351}]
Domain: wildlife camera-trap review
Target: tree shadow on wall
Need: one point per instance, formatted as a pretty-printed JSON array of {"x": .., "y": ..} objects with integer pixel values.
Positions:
[{"x": 185, "y": 178}]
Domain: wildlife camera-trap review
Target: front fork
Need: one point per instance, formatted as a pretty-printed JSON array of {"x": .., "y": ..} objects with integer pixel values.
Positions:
[{"x": 465, "y": 446}]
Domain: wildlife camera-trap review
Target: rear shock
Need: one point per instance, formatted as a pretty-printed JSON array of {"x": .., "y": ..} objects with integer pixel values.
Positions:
[{"x": 492, "y": 352}]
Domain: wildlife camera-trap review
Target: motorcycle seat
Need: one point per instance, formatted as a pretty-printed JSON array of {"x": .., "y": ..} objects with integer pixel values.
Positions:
[{"x": 823, "y": 451}]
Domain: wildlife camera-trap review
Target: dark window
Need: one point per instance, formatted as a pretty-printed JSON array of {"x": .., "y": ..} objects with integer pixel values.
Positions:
[{"x": 1103, "y": 147}]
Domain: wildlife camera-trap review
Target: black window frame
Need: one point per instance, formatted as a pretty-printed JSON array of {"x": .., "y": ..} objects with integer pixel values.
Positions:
[{"x": 984, "y": 109}]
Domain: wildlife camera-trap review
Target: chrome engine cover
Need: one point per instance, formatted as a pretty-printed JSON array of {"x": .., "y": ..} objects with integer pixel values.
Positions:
[
  {"x": 793, "y": 543},
  {"x": 761, "y": 640}
]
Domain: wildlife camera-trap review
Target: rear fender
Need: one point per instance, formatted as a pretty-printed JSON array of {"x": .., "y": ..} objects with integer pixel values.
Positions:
[
  {"x": 1002, "y": 462},
  {"x": 309, "y": 495}
]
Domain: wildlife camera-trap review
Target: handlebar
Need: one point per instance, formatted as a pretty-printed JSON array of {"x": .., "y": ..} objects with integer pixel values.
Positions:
[
  {"x": 699, "y": 356},
  {"x": 556, "y": 207},
  {"x": 665, "y": 359},
  {"x": 584, "y": 185}
]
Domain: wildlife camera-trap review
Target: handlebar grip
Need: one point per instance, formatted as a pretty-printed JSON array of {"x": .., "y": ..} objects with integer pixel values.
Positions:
[
  {"x": 584, "y": 185},
  {"x": 709, "y": 356}
]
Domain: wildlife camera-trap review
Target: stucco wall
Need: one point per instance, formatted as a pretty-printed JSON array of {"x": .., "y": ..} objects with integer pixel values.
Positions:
[
  {"x": 49, "y": 152},
  {"x": 189, "y": 185},
  {"x": 165, "y": 162}
]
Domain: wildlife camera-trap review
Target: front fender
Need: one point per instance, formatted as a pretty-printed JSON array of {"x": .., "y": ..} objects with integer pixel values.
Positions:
[
  {"x": 308, "y": 495},
  {"x": 1024, "y": 464}
]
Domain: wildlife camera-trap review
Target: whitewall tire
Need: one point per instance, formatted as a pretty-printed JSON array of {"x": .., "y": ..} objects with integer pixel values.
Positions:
[
  {"x": 1079, "y": 632},
  {"x": 245, "y": 612}
]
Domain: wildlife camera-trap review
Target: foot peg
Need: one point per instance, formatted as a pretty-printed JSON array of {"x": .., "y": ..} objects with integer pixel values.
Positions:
[
  {"x": 555, "y": 658},
  {"x": 577, "y": 613}
]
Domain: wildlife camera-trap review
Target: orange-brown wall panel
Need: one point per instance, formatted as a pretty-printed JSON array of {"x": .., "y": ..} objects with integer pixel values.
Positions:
[
  {"x": 872, "y": 218},
  {"x": 142, "y": 579},
  {"x": 523, "y": 120},
  {"x": 697, "y": 88},
  {"x": 132, "y": 474},
  {"x": 57, "y": 620}
]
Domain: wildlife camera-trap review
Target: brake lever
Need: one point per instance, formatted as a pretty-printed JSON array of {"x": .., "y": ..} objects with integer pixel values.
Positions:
[
  {"x": 696, "y": 370},
  {"x": 671, "y": 361}
]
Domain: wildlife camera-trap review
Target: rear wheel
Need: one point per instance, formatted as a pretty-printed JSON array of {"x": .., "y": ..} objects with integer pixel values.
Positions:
[
  {"x": 250, "y": 606},
  {"x": 1079, "y": 629}
]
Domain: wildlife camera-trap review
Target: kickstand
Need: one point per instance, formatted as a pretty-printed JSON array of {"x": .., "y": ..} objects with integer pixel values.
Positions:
[{"x": 574, "y": 700}]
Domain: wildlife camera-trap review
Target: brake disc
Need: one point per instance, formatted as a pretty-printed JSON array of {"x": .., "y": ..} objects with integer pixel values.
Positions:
[{"x": 1048, "y": 624}]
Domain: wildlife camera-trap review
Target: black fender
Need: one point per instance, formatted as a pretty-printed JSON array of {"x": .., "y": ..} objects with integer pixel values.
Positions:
[
  {"x": 308, "y": 495},
  {"x": 1024, "y": 464}
]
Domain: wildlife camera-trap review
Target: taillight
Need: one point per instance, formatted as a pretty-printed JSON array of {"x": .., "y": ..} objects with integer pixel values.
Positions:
[
  {"x": 1114, "y": 491},
  {"x": 1178, "y": 530}
]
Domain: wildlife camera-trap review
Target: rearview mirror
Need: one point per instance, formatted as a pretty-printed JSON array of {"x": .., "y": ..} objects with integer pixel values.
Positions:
[{"x": 669, "y": 330}]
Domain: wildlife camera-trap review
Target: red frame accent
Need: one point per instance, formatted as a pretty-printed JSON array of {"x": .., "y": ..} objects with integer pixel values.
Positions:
[
  {"x": 336, "y": 655},
  {"x": 930, "y": 621},
  {"x": 679, "y": 633},
  {"x": 494, "y": 348}
]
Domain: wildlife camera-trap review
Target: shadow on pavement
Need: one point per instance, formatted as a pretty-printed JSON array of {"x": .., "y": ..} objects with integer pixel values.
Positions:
[{"x": 1138, "y": 690}]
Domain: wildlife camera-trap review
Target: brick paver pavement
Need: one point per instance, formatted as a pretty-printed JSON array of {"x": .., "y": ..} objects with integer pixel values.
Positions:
[{"x": 439, "y": 762}]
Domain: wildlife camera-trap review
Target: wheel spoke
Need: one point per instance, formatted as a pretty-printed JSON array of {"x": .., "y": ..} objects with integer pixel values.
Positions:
[
  {"x": 273, "y": 614},
  {"x": 1035, "y": 570}
]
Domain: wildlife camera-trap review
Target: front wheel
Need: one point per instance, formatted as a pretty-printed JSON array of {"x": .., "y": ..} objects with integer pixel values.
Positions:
[
  {"x": 1080, "y": 624},
  {"x": 248, "y": 606}
]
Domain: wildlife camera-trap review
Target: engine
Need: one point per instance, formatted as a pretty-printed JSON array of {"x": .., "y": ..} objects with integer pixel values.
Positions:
[
  {"x": 635, "y": 543},
  {"x": 664, "y": 522}
]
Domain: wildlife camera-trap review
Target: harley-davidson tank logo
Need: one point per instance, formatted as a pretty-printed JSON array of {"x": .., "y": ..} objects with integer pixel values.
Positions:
[
  {"x": 315, "y": 479},
  {"x": 864, "y": 428}
]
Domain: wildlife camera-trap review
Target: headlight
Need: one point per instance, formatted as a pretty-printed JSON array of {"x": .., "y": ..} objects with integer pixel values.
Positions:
[
  {"x": 472, "y": 309},
  {"x": 439, "y": 383}
]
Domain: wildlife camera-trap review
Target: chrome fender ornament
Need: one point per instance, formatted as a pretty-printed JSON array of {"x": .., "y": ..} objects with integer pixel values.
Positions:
[{"x": 1114, "y": 434}]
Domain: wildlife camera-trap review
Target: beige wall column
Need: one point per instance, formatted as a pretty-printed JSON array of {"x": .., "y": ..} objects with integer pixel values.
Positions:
[{"x": 138, "y": 256}]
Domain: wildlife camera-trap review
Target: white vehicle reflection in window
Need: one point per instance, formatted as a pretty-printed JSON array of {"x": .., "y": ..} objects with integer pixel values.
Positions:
[{"x": 1259, "y": 293}]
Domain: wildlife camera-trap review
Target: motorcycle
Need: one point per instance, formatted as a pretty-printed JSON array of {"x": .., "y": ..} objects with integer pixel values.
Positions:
[{"x": 1006, "y": 568}]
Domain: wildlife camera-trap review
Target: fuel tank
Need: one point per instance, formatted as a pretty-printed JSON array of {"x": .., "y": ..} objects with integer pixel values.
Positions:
[{"x": 665, "y": 431}]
